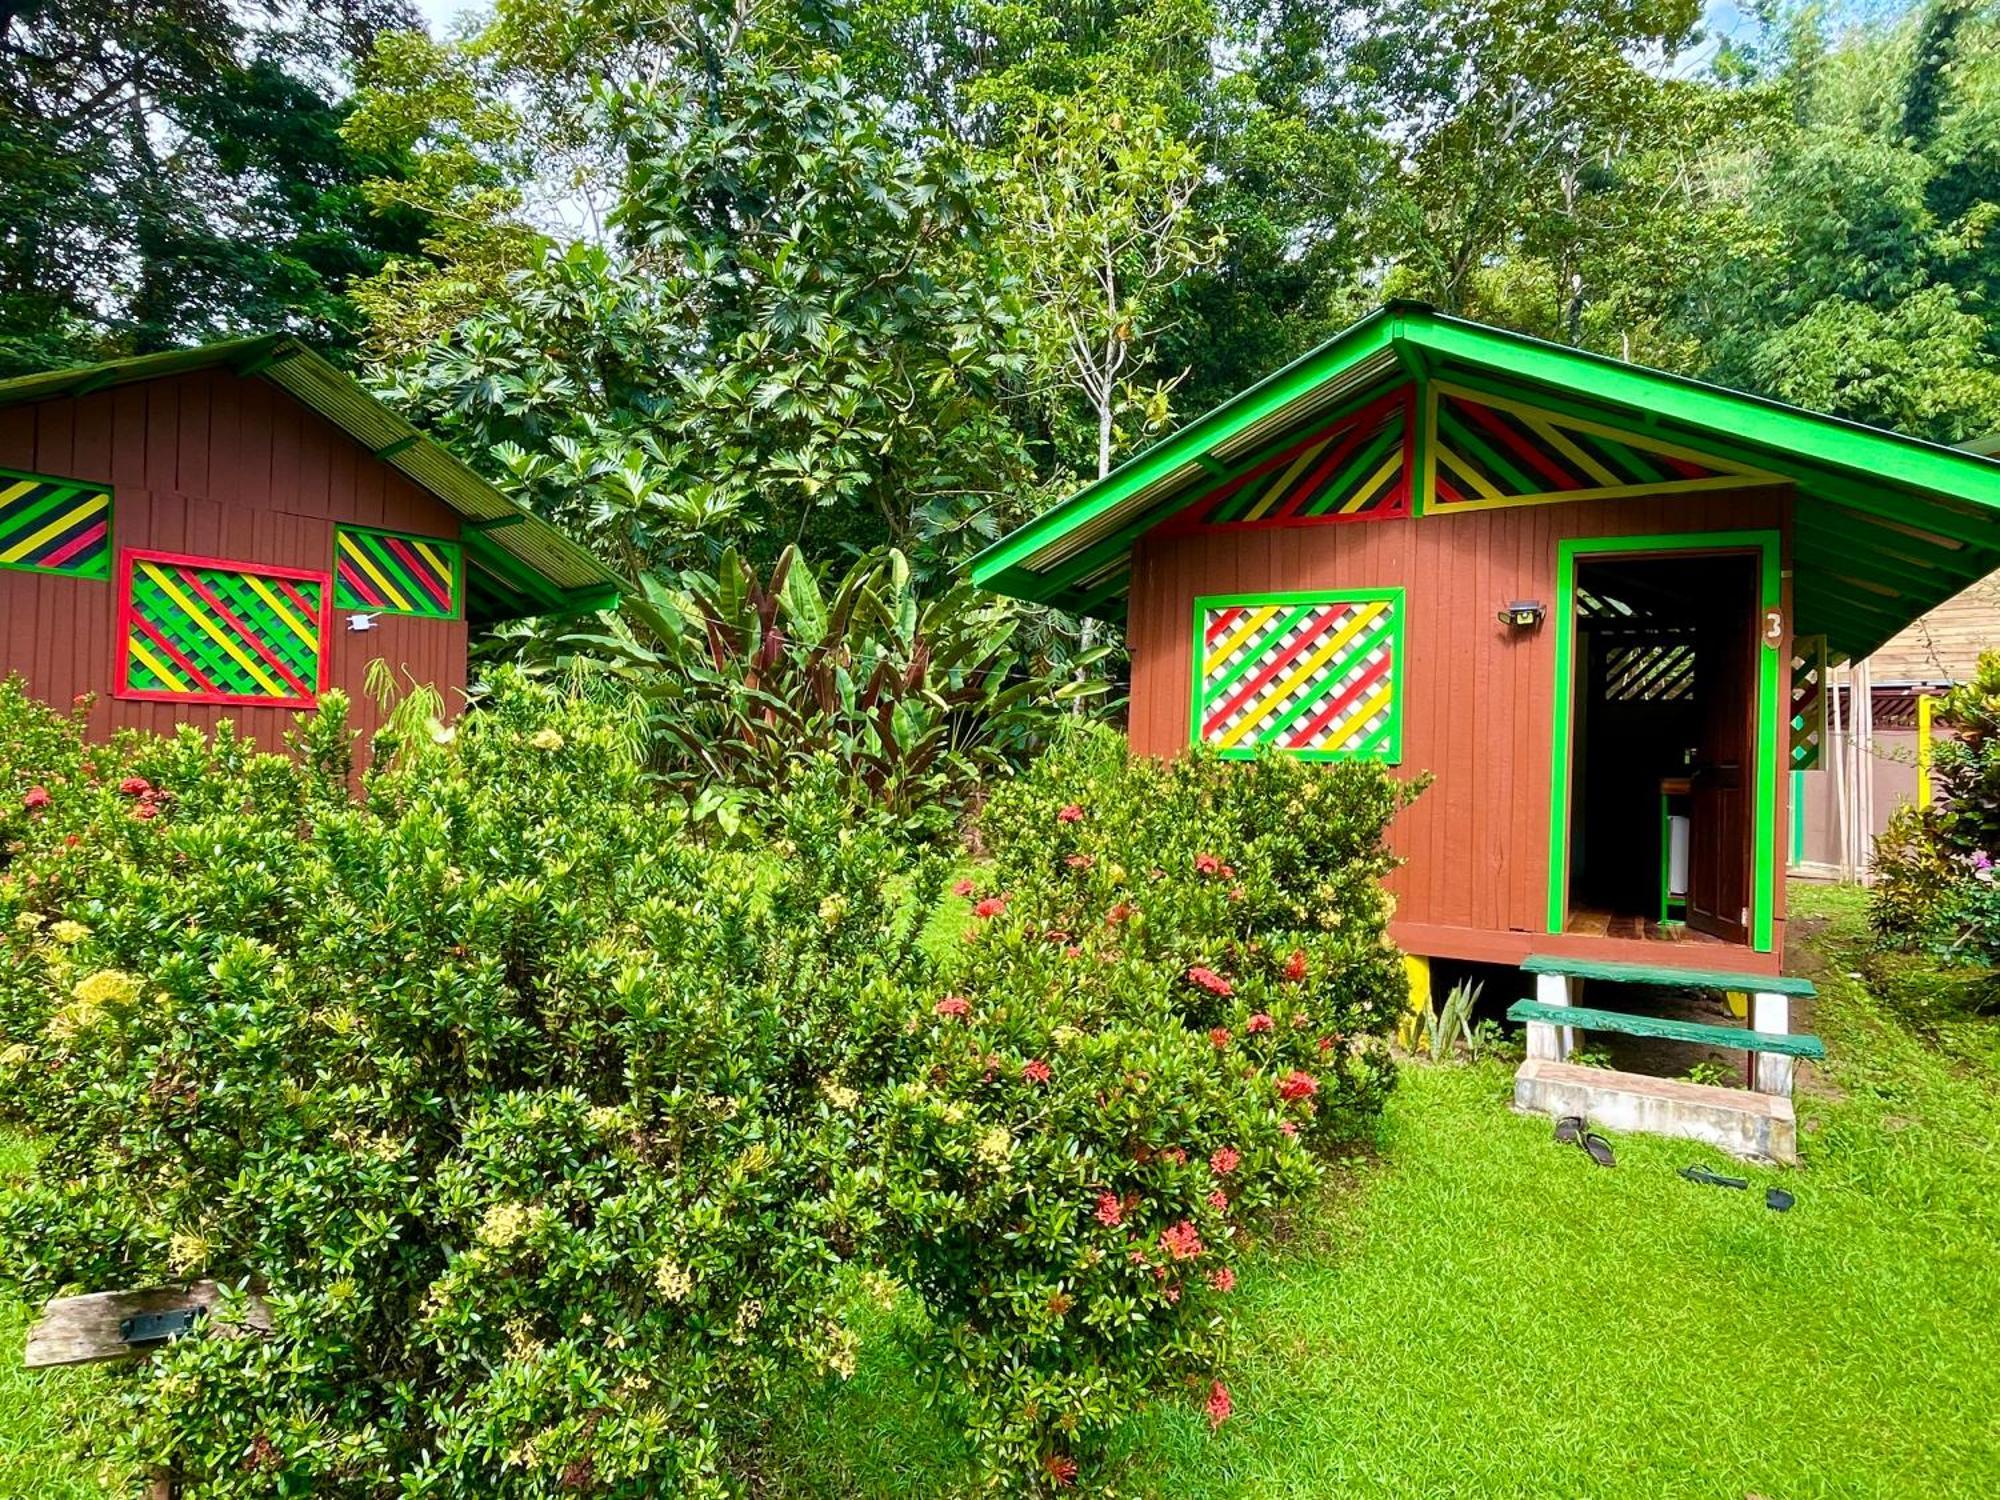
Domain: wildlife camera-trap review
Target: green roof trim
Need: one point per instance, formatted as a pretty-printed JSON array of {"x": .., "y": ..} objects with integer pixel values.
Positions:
[
  {"x": 1887, "y": 526},
  {"x": 529, "y": 566}
]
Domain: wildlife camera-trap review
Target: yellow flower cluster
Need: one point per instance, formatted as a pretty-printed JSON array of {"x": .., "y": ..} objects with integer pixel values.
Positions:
[
  {"x": 839, "y": 1095},
  {"x": 674, "y": 1281},
  {"x": 994, "y": 1146},
  {"x": 506, "y": 1224},
  {"x": 69, "y": 933}
]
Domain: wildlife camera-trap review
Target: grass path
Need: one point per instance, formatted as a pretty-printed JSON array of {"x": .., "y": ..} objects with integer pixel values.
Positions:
[
  {"x": 1492, "y": 1316},
  {"x": 1489, "y": 1315}
]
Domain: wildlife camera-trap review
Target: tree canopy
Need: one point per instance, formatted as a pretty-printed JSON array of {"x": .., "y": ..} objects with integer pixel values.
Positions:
[{"x": 692, "y": 275}]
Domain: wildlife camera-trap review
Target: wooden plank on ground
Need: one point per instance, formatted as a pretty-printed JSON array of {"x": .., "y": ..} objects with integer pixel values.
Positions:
[
  {"x": 85, "y": 1330},
  {"x": 1666, "y": 974},
  {"x": 1787, "y": 1044}
]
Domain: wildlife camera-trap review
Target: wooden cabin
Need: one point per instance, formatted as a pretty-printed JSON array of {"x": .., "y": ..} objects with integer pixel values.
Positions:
[
  {"x": 1595, "y": 602},
  {"x": 228, "y": 532}
]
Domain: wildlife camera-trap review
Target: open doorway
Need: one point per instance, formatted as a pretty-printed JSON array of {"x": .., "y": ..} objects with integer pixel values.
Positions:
[{"x": 1663, "y": 749}]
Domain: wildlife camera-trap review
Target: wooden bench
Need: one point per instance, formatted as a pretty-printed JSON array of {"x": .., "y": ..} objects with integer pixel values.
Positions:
[{"x": 1769, "y": 1037}]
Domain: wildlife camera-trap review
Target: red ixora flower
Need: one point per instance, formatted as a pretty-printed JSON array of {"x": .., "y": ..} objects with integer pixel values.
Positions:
[
  {"x": 1209, "y": 980},
  {"x": 1325, "y": 1045},
  {"x": 145, "y": 810},
  {"x": 963, "y": 887},
  {"x": 1297, "y": 1085},
  {"x": 1295, "y": 966},
  {"x": 36, "y": 796},
  {"x": 1035, "y": 1070},
  {"x": 1181, "y": 1241},
  {"x": 1110, "y": 1212},
  {"x": 1122, "y": 912},
  {"x": 1081, "y": 861},
  {"x": 135, "y": 786},
  {"x": 1071, "y": 813},
  {"x": 1219, "y": 1037},
  {"x": 1061, "y": 1469},
  {"x": 1286, "y": 1127},
  {"x": 1257, "y": 1023},
  {"x": 992, "y": 906},
  {"x": 953, "y": 1005},
  {"x": 1207, "y": 864},
  {"x": 1219, "y": 1201},
  {"x": 1224, "y": 1160},
  {"x": 1217, "y": 1406},
  {"x": 1222, "y": 1279}
]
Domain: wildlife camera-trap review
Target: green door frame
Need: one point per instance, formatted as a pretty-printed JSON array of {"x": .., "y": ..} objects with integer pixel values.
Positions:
[{"x": 1770, "y": 709}]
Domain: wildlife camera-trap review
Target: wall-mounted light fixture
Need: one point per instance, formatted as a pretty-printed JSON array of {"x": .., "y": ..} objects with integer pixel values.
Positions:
[
  {"x": 360, "y": 623},
  {"x": 1523, "y": 614}
]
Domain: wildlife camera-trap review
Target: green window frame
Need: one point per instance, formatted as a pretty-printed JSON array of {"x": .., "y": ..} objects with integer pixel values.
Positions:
[
  {"x": 397, "y": 573},
  {"x": 1316, "y": 674}
]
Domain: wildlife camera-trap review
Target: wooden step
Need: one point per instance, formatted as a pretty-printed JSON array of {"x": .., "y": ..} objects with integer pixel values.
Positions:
[
  {"x": 1666, "y": 974},
  {"x": 1583, "y": 1018}
]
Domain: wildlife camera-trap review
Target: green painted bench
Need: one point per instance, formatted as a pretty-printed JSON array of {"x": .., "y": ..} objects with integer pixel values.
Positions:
[
  {"x": 1583, "y": 1018},
  {"x": 1664, "y": 974}
]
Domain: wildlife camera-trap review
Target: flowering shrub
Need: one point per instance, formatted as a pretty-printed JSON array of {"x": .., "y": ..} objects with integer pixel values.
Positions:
[
  {"x": 545, "y": 1131},
  {"x": 1938, "y": 869},
  {"x": 505, "y": 1105},
  {"x": 1173, "y": 987}
]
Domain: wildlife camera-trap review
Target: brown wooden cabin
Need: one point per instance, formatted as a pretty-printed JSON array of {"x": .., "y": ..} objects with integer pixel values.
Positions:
[
  {"x": 1594, "y": 600},
  {"x": 228, "y": 532}
]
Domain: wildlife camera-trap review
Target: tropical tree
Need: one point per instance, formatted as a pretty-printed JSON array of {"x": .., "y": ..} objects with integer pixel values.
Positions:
[{"x": 172, "y": 170}]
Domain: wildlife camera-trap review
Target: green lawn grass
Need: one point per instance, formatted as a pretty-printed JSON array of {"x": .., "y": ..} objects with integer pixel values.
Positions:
[
  {"x": 1478, "y": 1312},
  {"x": 1492, "y": 1315}
]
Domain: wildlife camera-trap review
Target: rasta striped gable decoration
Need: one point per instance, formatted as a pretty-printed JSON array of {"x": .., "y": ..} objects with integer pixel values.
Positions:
[
  {"x": 204, "y": 630},
  {"x": 1312, "y": 674},
  {"x": 55, "y": 525},
  {"x": 1487, "y": 451},
  {"x": 393, "y": 573},
  {"x": 1352, "y": 469}
]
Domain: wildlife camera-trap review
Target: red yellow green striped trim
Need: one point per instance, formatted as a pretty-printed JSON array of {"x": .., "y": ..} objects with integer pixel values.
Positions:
[{"x": 393, "y": 572}]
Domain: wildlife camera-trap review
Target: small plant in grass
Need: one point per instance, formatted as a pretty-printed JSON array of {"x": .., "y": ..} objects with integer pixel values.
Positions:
[
  {"x": 1447, "y": 1025},
  {"x": 1713, "y": 1074},
  {"x": 1589, "y": 1057}
]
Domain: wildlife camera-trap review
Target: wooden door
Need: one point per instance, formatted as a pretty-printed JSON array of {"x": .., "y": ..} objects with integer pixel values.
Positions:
[{"x": 1723, "y": 776}]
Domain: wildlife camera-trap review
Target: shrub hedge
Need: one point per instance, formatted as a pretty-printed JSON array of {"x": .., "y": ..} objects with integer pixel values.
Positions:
[{"x": 554, "y": 1140}]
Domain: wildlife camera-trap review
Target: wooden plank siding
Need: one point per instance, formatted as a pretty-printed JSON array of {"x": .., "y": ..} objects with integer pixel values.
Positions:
[
  {"x": 1478, "y": 702},
  {"x": 219, "y": 465}
]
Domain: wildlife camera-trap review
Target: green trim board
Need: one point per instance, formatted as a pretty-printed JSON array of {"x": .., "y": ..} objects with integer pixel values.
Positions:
[
  {"x": 397, "y": 573},
  {"x": 1927, "y": 511},
  {"x": 1315, "y": 674},
  {"x": 1619, "y": 972},
  {"x": 1763, "y": 882},
  {"x": 55, "y": 525},
  {"x": 1583, "y": 1018}
]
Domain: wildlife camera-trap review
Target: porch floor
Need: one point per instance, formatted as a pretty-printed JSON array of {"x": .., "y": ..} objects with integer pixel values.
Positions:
[{"x": 1591, "y": 923}]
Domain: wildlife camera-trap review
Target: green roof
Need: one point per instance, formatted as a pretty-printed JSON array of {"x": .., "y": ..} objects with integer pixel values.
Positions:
[
  {"x": 517, "y": 563},
  {"x": 1886, "y": 526}
]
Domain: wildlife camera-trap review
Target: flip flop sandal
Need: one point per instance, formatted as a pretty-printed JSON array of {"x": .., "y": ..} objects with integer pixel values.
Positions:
[
  {"x": 1599, "y": 1149},
  {"x": 1569, "y": 1130},
  {"x": 1713, "y": 1179},
  {"x": 1778, "y": 1200}
]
